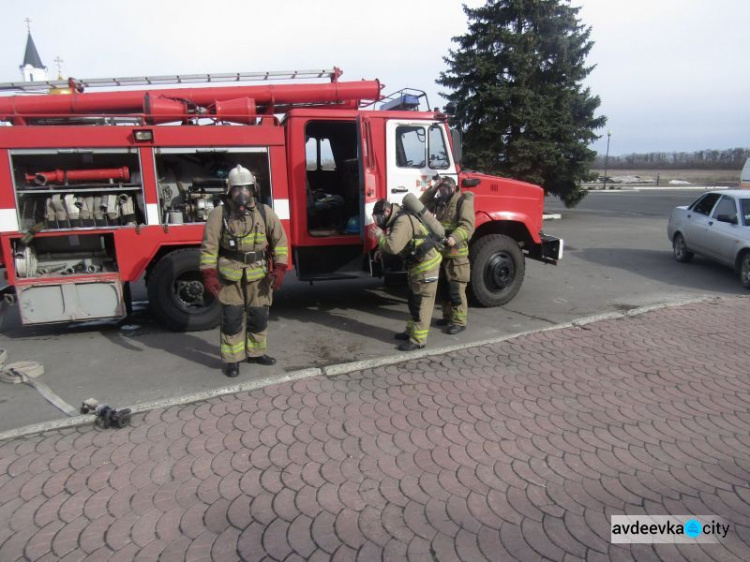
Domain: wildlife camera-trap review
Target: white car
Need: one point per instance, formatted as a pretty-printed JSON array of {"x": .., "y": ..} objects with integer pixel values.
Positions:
[{"x": 716, "y": 226}]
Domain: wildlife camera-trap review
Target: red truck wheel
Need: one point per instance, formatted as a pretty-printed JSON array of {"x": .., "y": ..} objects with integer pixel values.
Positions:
[
  {"x": 176, "y": 295},
  {"x": 497, "y": 270}
]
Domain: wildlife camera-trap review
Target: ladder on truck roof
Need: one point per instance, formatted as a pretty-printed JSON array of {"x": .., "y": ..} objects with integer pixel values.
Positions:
[
  {"x": 80, "y": 84},
  {"x": 237, "y": 103}
]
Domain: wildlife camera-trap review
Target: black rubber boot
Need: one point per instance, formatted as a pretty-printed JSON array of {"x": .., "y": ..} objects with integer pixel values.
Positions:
[
  {"x": 232, "y": 370},
  {"x": 454, "y": 329},
  {"x": 262, "y": 360},
  {"x": 401, "y": 336},
  {"x": 409, "y": 346}
]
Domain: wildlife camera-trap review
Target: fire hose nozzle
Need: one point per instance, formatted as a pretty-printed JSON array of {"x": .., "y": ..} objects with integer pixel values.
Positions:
[{"x": 107, "y": 416}]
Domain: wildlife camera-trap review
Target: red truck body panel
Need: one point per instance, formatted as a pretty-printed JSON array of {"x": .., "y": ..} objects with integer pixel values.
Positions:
[{"x": 505, "y": 199}]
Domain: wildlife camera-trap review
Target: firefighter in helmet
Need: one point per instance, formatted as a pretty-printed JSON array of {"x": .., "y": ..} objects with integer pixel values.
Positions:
[
  {"x": 243, "y": 260},
  {"x": 455, "y": 211},
  {"x": 401, "y": 233}
]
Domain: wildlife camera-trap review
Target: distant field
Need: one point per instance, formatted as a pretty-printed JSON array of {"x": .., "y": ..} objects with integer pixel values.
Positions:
[{"x": 695, "y": 177}]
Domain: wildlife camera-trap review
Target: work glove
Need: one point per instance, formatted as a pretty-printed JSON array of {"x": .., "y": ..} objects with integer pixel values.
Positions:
[
  {"x": 211, "y": 281},
  {"x": 277, "y": 275}
]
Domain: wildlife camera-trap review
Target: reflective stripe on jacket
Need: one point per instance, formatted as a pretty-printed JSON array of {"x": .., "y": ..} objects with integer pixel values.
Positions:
[
  {"x": 458, "y": 219},
  {"x": 246, "y": 233},
  {"x": 404, "y": 233}
]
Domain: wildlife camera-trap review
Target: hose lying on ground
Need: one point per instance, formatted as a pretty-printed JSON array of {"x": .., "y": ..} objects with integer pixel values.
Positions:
[{"x": 27, "y": 372}]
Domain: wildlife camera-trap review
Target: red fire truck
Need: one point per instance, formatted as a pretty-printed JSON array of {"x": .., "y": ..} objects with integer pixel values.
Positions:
[{"x": 101, "y": 189}]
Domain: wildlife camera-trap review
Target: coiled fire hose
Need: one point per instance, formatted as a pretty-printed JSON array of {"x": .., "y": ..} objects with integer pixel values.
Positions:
[{"x": 28, "y": 372}]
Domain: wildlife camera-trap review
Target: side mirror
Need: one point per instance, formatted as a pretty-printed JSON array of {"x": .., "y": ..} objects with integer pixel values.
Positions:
[
  {"x": 731, "y": 219},
  {"x": 470, "y": 182}
]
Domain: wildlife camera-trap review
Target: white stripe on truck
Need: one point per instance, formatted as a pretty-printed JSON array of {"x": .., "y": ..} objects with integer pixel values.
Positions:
[{"x": 8, "y": 220}]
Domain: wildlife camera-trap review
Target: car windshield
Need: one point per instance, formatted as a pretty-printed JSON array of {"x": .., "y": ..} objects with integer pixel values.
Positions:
[{"x": 745, "y": 207}]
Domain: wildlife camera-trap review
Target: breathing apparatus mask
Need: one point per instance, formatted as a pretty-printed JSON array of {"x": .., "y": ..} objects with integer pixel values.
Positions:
[
  {"x": 241, "y": 196},
  {"x": 379, "y": 213},
  {"x": 445, "y": 191}
]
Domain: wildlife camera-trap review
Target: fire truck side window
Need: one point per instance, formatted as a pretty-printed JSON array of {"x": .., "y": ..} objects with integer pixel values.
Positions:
[
  {"x": 438, "y": 156},
  {"x": 411, "y": 147},
  {"x": 319, "y": 155},
  {"x": 311, "y": 154},
  {"x": 331, "y": 181}
]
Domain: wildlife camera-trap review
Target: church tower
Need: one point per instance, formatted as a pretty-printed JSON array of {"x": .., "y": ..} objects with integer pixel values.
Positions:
[{"x": 32, "y": 68}]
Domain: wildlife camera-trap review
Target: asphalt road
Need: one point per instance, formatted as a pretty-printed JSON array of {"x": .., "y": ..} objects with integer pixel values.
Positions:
[{"x": 617, "y": 258}]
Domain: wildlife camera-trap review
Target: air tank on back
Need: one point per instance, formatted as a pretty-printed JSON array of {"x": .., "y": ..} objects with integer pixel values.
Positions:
[{"x": 414, "y": 205}]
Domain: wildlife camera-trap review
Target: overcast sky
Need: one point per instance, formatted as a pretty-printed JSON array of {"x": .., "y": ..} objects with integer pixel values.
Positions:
[{"x": 672, "y": 74}]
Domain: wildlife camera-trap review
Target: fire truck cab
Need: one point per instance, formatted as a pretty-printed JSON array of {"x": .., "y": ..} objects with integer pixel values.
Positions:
[{"x": 99, "y": 190}]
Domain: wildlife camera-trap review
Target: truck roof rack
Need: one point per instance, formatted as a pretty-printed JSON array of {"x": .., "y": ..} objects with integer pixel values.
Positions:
[{"x": 80, "y": 84}]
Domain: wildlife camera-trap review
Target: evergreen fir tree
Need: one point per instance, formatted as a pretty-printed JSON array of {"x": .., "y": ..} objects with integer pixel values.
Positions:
[{"x": 516, "y": 83}]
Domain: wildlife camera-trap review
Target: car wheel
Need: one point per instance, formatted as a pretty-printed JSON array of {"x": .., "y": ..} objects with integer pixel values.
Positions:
[
  {"x": 745, "y": 270},
  {"x": 681, "y": 252}
]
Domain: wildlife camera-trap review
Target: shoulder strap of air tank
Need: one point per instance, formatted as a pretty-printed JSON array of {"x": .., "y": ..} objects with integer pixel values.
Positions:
[
  {"x": 262, "y": 211},
  {"x": 459, "y": 206},
  {"x": 224, "y": 219}
]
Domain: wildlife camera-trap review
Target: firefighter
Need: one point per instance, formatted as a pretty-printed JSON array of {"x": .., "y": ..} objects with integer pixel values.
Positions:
[
  {"x": 243, "y": 260},
  {"x": 401, "y": 233},
  {"x": 455, "y": 211}
]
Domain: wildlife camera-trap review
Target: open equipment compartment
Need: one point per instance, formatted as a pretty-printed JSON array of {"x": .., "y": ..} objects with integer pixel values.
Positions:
[
  {"x": 68, "y": 277},
  {"x": 66, "y": 255},
  {"x": 78, "y": 188},
  {"x": 192, "y": 181}
]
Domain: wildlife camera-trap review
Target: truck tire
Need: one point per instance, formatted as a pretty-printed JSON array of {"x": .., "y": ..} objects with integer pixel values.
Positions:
[
  {"x": 176, "y": 295},
  {"x": 497, "y": 269}
]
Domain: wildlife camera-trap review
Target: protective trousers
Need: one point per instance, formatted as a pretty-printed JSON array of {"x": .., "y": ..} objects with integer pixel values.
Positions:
[
  {"x": 454, "y": 277},
  {"x": 244, "y": 319},
  {"x": 421, "y": 303}
]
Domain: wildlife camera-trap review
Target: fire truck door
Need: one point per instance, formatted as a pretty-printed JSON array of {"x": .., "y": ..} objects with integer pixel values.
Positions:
[
  {"x": 368, "y": 180},
  {"x": 415, "y": 152}
]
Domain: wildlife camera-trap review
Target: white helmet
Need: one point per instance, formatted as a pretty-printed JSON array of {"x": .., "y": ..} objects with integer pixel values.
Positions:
[{"x": 240, "y": 176}]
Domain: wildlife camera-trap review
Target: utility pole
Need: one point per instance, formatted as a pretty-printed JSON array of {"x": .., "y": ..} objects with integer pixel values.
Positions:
[{"x": 606, "y": 159}]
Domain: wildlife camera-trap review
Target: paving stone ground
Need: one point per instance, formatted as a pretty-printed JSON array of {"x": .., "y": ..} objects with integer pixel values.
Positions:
[{"x": 516, "y": 451}]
